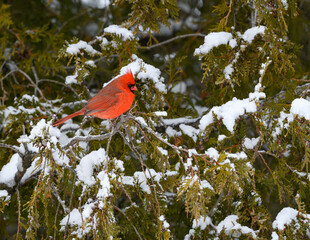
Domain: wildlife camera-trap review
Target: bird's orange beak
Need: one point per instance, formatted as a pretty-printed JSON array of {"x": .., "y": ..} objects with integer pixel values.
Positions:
[{"x": 134, "y": 88}]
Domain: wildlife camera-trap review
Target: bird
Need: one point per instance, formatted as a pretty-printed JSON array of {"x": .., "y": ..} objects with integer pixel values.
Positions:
[{"x": 111, "y": 101}]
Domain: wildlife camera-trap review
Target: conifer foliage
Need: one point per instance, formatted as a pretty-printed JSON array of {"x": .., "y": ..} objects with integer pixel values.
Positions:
[{"x": 215, "y": 146}]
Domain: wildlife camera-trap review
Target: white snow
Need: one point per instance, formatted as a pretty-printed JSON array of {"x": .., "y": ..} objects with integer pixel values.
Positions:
[
  {"x": 177, "y": 121},
  {"x": 162, "y": 151},
  {"x": 205, "y": 184},
  {"x": 172, "y": 133},
  {"x": 8, "y": 171},
  {"x": 221, "y": 137},
  {"x": 127, "y": 180},
  {"x": 274, "y": 236},
  {"x": 285, "y": 4},
  {"x": 75, "y": 218},
  {"x": 90, "y": 63},
  {"x": 4, "y": 195},
  {"x": 285, "y": 218},
  {"x": 215, "y": 39},
  {"x": 80, "y": 220},
  {"x": 165, "y": 223},
  {"x": 59, "y": 158},
  {"x": 212, "y": 40},
  {"x": 142, "y": 177},
  {"x": 141, "y": 121},
  {"x": 144, "y": 72},
  {"x": 228, "y": 71},
  {"x": 161, "y": 113},
  {"x": 42, "y": 130},
  {"x": 29, "y": 98},
  {"x": 97, "y": 3},
  {"x": 250, "y": 143},
  {"x": 257, "y": 94},
  {"x": 88, "y": 164},
  {"x": 232, "y": 227},
  {"x": 179, "y": 88},
  {"x": 39, "y": 130},
  {"x": 202, "y": 222},
  {"x": 104, "y": 191},
  {"x": 301, "y": 107},
  {"x": 250, "y": 34},
  {"x": 229, "y": 113},
  {"x": 212, "y": 153},
  {"x": 282, "y": 123},
  {"x": 189, "y": 131},
  {"x": 122, "y": 32},
  {"x": 70, "y": 79},
  {"x": 76, "y": 48}
]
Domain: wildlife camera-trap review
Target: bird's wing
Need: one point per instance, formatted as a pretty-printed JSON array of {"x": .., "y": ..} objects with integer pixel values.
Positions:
[{"x": 106, "y": 98}]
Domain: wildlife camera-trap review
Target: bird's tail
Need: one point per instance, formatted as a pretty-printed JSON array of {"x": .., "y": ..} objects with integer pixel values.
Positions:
[{"x": 80, "y": 112}]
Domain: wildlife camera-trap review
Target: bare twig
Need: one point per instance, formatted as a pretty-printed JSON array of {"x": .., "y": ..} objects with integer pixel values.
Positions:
[
  {"x": 229, "y": 11},
  {"x": 55, "y": 220},
  {"x": 265, "y": 162},
  {"x": 35, "y": 78},
  {"x": 133, "y": 226},
  {"x": 173, "y": 39},
  {"x": 4, "y": 62},
  {"x": 212, "y": 210},
  {"x": 62, "y": 202},
  {"x": 108, "y": 146},
  {"x": 60, "y": 83},
  {"x": 70, "y": 204},
  {"x": 19, "y": 210},
  {"x": 29, "y": 78},
  {"x": 72, "y": 19}
]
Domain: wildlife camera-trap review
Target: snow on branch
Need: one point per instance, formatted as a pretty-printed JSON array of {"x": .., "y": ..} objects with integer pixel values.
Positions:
[
  {"x": 124, "y": 33},
  {"x": 232, "y": 110},
  {"x": 216, "y": 39}
]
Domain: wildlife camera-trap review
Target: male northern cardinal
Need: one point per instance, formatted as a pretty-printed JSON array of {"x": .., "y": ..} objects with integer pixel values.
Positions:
[{"x": 112, "y": 101}]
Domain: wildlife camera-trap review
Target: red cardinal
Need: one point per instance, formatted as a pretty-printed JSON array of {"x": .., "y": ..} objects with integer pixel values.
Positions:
[{"x": 112, "y": 101}]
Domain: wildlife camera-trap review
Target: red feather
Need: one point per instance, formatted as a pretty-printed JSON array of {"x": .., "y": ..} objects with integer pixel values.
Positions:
[{"x": 112, "y": 101}]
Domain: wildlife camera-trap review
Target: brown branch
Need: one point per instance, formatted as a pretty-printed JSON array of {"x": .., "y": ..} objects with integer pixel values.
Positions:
[
  {"x": 30, "y": 80},
  {"x": 60, "y": 83},
  {"x": 173, "y": 39},
  {"x": 229, "y": 11},
  {"x": 19, "y": 212},
  {"x": 36, "y": 78},
  {"x": 265, "y": 162}
]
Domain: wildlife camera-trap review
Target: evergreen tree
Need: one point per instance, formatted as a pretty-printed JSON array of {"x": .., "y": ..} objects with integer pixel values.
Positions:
[{"x": 215, "y": 146}]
